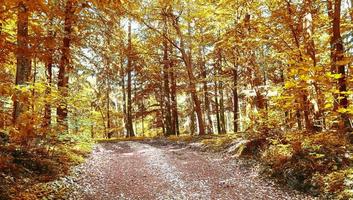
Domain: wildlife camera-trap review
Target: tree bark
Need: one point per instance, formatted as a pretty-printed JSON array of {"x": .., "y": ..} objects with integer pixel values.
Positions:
[
  {"x": 166, "y": 93},
  {"x": 337, "y": 56},
  {"x": 130, "y": 129},
  {"x": 219, "y": 129},
  {"x": 64, "y": 67},
  {"x": 109, "y": 133},
  {"x": 49, "y": 76},
  {"x": 235, "y": 100},
  {"x": 175, "y": 117},
  {"x": 206, "y": 93},
  {"x": 23, "y": 68},
  {"x": 221, "y": 101}
]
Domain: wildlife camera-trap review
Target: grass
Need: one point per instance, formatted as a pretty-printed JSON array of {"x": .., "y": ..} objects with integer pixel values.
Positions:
[{"x": 121, "y": 139}]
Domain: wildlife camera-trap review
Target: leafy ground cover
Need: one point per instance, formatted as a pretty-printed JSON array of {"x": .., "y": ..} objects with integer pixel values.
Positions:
[{"x": 21, "y": 168}]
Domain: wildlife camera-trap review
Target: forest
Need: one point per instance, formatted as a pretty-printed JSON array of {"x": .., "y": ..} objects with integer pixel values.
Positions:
[{"x": 158, "y": 90}]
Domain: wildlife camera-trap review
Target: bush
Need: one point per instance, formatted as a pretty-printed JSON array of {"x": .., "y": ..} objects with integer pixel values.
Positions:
[{"x": 309, "y": 162}]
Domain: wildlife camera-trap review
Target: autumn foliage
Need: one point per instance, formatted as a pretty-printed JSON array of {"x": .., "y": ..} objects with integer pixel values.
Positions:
[{"x": 276, "y": 71}]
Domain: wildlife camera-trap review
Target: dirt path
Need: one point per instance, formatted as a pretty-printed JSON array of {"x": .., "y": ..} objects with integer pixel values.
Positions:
[{"x": 133, "y": 170}]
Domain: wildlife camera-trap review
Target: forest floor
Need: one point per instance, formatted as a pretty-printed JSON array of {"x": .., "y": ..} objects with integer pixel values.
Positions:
[{"x": 165, "y": 170}]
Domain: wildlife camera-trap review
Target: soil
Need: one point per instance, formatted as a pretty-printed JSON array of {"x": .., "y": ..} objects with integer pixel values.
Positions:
[{"x": 143, "y": 170}]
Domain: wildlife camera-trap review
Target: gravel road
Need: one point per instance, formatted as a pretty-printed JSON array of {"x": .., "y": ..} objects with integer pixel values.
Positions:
[{"x": 135, "y": 170}]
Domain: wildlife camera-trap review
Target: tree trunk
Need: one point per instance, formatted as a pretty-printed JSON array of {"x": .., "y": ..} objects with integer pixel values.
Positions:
[
  {"x": 219, "y": 96},
  {"x": 221, "y": 109},
  {"x": 192, "y": 117},
  {"x": 299, "y": 120},
  {"x": 109, "y": 133},
  {"x": 124, "y": 97},
  {"x": 219, "y": 129},
  {"x": 175, "y": 118},
  {"x": 221, "y": 92},
  {"x": 130, "y": 129},
  {"x": 47, "y": 111},
  {"x": 2, "y": 115},
  {"x": 92, "y": 123},
  {"x": 64, "y": 67},
  {"x": 338, "y": 56},
  {"x": 49, "y": 76},
  {"x": 166, "y": 92},
  {"x": 34, "y": 82},
  {"x": 23, "y": 68},
  {"x": 235, "y": 99},
  {"x": 206, "y": 95}
]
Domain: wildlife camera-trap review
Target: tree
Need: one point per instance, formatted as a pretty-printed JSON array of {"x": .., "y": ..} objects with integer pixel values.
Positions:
[
  {"x": 64, "y": 66},
  {"x": 337, "y": 58},
  {"x": 129, "y": 126},
  {"x": 23, "y": 68}
]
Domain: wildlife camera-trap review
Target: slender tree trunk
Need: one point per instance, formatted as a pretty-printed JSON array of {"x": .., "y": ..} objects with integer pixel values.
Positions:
[
  {"x": 299, "y": 120},
  {"x": 166, "y": 96},
  {"x": 130, "y": 130},
  {"x": 219, "y": 129},
  {"x": 92, "y": 123},
  {"x": 64, "y": 67},
  {"x": 34, "y": 82},
  {"x": 206, "y": 93},
  {"x": 235, "y": 99},
  {"x": 143, "y": 116},
  {"x": 49, "y": 75},
  {"x": 192, "y": 117},
  {"x": 351, "y": 13},
  {"x": 175, "y": 117},
  {"x": 2, "y": 115},
  {"x": 23, "y": 68},
  {"x": 308, "y": 123},
  {"x": 221, "y": 109},
  {"x": 134, "y": 122},
  {"x": 219, "y": 96},
  {"x": 109, "y": 133},
  {"x": 123, "y": 88}
]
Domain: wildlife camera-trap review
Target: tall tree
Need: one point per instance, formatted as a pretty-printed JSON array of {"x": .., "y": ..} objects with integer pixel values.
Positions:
[
  {"x": 337, "y": 58},
  {"x": 188, "y": 61},
  {"x": 23, "y": 68},
  {"x": 64, "y": 66},
  {"x": 166, "y": 73},
  {"x": 129, "y": 127}
]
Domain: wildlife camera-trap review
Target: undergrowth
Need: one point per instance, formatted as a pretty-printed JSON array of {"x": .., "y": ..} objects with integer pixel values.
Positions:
[{"x": 24, "y": 166}]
